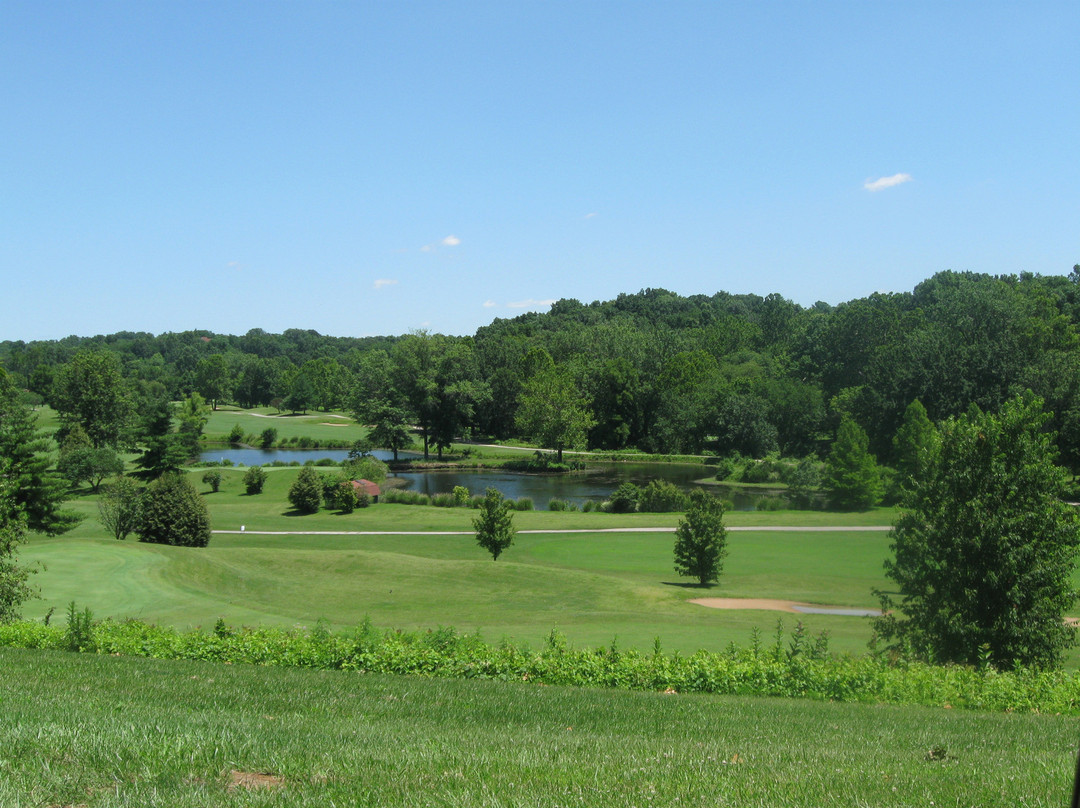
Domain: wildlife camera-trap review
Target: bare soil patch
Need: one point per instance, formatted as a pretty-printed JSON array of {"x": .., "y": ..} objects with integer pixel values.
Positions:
[{"x": 253, "y": 780}]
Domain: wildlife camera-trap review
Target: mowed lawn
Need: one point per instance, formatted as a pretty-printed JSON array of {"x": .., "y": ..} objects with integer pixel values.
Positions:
[
  {"x": 88, "y": 730},
  {"x": 595, "y": 587}
]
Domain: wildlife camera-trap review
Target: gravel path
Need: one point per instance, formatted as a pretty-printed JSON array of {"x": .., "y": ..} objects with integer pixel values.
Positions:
[{"x": 737, "y": 528}]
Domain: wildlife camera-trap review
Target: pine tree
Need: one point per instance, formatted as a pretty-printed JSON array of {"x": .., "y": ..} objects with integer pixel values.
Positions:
[{"x": 852, "y": 478}]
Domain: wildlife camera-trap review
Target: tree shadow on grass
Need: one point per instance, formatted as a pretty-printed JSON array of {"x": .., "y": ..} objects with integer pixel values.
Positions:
[{"x": 687, "y": 584}]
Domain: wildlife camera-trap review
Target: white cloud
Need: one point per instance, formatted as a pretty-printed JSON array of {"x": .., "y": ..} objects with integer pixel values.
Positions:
[
  {"x": 489, "y": 304},
  {"x": 589, "y": 215},
  {"x": 886, "y": 182},
  {"x": 451, "y": 241},
  {"x": 381, "y": 282},
  {"x": 426, "y": 248},
  {"x": 530, "y": 304}
]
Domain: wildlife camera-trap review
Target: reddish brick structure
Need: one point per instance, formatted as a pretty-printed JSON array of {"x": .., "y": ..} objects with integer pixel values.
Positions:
[{"x": 367, "y": 487}]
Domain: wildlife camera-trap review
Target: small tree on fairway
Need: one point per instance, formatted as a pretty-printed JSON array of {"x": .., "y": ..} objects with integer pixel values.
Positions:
[
  {"x": 984, "y": 549},
  {"x": 494, "y": 524},
  {"x": 701, "y": 539},
  {"x": 213, "y": 479},
  {"x": 254, "y": 479},
  {"x": 172, "y": 512},
  {"x": 119, "y": 507},
  {"x": 305, "y": 493}
]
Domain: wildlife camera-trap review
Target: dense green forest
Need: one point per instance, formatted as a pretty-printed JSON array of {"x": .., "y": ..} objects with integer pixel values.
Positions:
[{"x": 654, "y": 371}]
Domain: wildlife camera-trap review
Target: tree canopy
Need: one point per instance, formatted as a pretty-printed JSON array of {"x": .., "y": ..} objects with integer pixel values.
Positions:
[
  {"x": 985, "y": 546},
  {"x": 701, "y": 539},
  {"x": 494, "y": 523}
]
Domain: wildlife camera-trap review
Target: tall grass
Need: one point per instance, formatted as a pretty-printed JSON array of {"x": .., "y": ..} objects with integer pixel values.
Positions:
[{"x": 792, "y": 665}]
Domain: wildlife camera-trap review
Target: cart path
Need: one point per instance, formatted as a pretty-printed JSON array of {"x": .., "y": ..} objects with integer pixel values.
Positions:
[{"x": 735, "y": 529}]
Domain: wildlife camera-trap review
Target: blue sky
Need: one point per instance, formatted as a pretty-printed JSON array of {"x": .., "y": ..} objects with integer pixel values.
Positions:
[{"x": 371, "y": 168}]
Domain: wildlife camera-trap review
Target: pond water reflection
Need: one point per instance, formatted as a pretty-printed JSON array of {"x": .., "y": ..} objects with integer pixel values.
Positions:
[{"x": 595, "y": 483}]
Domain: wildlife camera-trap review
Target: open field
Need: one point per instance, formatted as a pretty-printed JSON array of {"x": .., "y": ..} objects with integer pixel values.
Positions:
[{"x": 186, "y": 734}]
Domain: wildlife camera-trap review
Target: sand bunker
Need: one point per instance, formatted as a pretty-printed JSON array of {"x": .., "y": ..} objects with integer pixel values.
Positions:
[{"x": 770, "y": 605}]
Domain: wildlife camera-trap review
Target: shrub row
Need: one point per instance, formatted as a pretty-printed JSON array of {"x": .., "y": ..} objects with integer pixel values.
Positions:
[
  {"x": 456, "y": 499},
  {"x": 795, "y": 666}
]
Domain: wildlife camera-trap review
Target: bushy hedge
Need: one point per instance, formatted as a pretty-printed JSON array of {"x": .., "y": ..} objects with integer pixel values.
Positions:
[{"x": 795, "y": 666}]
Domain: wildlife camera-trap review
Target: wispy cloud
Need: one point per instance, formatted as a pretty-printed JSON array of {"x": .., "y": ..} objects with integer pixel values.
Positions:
[
  {"x": 449, "y": 241},
  {"x": 381, "y": 282},
  {"x": 530, "y": 304},
  {"x": 490, "y": 304},
  {"x": 881, "y": 183},
  {"x": 589, "y": 215}
]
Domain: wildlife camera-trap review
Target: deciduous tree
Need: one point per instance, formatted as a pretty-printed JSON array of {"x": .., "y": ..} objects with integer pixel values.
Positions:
[
  {"x": 984, "y": 548},
  {"x": 494, "y": 524},
  {"x": 553, "y": 412},
  {"x": 118, "y": 507},
  {"x": 172, "y": 512},
  {"x": 305, "y": 493},
  {"x": 91, "y": 392},
  {"x": 701, "y": 539}
]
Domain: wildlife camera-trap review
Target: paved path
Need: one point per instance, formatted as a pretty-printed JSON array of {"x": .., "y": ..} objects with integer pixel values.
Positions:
[{"x": 736, "y": 528}]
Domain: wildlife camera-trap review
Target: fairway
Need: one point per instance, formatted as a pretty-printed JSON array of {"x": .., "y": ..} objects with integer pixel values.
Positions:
[{"x": 596, "y": 587}]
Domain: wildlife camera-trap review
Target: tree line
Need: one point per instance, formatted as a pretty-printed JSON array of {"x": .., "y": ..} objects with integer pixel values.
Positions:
[{"x": 653, "y": 371}]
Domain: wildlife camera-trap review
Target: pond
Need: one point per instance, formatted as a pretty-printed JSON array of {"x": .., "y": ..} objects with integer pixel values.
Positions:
[{"x": 595, "y": 483}]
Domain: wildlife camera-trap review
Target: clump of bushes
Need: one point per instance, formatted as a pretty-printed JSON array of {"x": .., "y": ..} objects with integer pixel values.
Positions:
[
  {"x": 306, "y": 492},
  {"x": 455, "y": 499},
  {"x": 172, "y": 512},
  {"x": 660, "y": 496},
  {"x": 624, "y": 499},
  {"x": 770, "y": 504},
  {"x": 561, "y": 505},
  {"x": 213, "y": 479},
  {"x": 254, "y": 479}
]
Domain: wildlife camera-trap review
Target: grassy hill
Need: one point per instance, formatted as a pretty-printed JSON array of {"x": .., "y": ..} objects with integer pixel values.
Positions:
[
  {"x": 594, "y": 587},
  {"x": 106, "y": 731}
]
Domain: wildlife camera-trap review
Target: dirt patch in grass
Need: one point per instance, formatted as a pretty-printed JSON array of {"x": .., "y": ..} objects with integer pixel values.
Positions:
[{"x": 253, "y": 780}]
